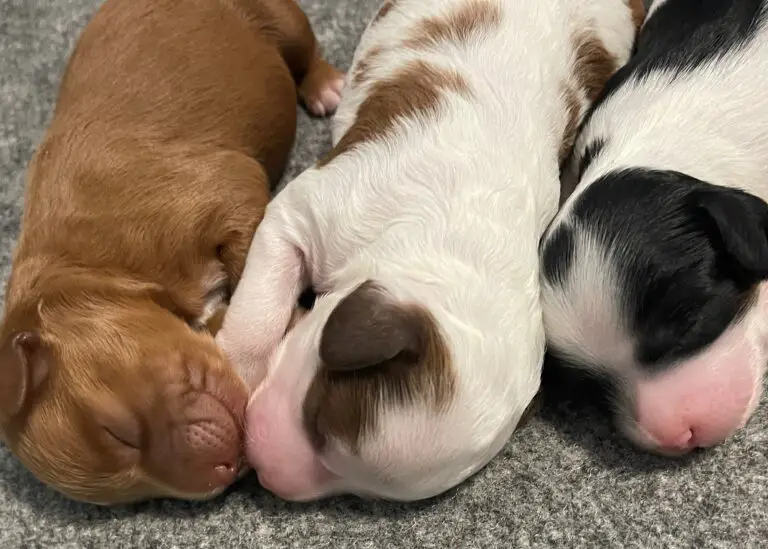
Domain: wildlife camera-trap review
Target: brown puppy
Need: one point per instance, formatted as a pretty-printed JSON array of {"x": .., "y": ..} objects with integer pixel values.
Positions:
[{"x": 174, "y": 118}]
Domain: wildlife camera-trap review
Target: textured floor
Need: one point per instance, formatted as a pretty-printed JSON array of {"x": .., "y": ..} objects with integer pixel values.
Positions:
[{"x": 566, "y": 481}]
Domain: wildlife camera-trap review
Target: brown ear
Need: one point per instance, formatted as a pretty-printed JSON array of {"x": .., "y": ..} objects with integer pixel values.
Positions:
[
  {"x": 367, "y": 329},
  {"x": 24, "y": 364}
]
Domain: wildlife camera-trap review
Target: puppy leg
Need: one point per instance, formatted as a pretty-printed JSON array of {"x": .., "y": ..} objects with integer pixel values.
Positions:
[
  {"x": 319, "y": 83},
  {"x": 263, "y": 306}
]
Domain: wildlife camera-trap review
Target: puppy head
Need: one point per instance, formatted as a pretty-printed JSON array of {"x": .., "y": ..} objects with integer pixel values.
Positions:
[
  {"x": 651, "y": 282},
  {"x": 109, "y": 398},
  {"x": 363, "y": 397}
]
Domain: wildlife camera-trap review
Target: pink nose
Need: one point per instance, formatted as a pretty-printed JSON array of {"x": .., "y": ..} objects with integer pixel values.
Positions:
[
  {"x": 676, "y": 442},
  {"x": 280, "y": 487},
  {"x": 701, "y": 402},
  {"x": 279, "y": 449}
]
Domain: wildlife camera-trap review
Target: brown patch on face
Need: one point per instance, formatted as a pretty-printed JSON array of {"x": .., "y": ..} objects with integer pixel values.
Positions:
[
  {"x": 460, "y": 26},
  {"x": 594, "y": 64},
  {"x": 415, "y": 90},
  {"x": 385, "y": 8},
  {"x": 637, "y": 7},
  {"x": 376, "y": 353}
]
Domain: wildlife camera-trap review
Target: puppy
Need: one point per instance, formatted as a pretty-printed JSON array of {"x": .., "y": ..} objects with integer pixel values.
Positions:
[
  {"x": 419, "y": 233},
  {"x": 653, "y": 269},
  {"x": 173, "y": 120}
]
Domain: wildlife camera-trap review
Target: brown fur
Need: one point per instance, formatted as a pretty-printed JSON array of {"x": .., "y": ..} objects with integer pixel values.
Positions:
[
  {"x": 363, "y": 66},
  {"x": 173, "y": 121},
  {"x": 416, "y": 89},
  {"x": 476, "y": 16},
  {"x": 385, "y": 8},
  {"x": 375, "y": 354},
  {"x": 594, "y": 64},
  {"x": 462, "y": 25},
  {"x": 637, "y": 7},
  {"x": 573, "y": 110}
]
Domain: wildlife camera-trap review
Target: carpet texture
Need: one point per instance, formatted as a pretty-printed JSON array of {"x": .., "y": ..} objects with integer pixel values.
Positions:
[{"x": 567, "y": 480}]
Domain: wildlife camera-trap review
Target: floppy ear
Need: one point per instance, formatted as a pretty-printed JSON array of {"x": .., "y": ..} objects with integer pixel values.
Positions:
[
  {"x": 741, "y": 221},
  {"x": 367, "y": 329},
  {"x": 24, "y": 364}
]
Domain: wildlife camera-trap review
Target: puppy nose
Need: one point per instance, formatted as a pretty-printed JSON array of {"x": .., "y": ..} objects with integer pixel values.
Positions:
[
  {"x": 212, "y": 437},
  {"x": 676, "y": 443},
  {"x": 208, "y": 439}
]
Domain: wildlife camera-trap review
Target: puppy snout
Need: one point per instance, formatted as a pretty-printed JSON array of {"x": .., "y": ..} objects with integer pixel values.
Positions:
[
  {"x": 216, "y": 437},
  {"x": 203, "y": 449},
  {"x": 216, "y": 441}
]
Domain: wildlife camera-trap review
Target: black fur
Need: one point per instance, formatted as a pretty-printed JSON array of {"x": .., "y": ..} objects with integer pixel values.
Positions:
[
  {"x": 557, "y": 255},
  {"x": 591, "y": 152},
  {"x": 687, "y": 254},
  {"x": 680, "y": 36}
]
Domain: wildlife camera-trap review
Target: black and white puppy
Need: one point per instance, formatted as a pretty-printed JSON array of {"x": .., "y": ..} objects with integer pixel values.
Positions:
[{"x": 653, "y": 270}]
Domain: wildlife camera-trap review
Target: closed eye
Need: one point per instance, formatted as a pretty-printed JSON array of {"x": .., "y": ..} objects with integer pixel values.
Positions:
[{"x": 120, "y": 440}]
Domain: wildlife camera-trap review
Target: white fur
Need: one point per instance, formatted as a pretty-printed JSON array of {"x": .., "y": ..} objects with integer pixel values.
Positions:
[
  {"x": 445, "y": 212},
  {"x": 656, "y": 4},
  {"x": 213, "y": 282}
]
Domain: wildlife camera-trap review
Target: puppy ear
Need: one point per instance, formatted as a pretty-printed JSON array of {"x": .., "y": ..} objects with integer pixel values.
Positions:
[
  {"x": 367, "y": 329},
  {"x": 741, "y": 221},
  {"x": 24, "y": 365}
]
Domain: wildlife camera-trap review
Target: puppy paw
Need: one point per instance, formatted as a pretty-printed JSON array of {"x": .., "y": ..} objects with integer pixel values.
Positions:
[{"x": 321, "y": 89}]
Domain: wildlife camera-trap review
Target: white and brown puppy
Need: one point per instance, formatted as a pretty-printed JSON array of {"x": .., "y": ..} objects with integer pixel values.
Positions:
[
  {"x": 419, "y": 232},
  {"x": 654, "y": 268}
]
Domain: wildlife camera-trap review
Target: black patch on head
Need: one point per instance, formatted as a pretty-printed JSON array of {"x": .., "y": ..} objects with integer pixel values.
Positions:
[
  {"x": 688, "y": 256},
  {"x": 681, "y": 35},
  {"x": 557, "y": 254}
]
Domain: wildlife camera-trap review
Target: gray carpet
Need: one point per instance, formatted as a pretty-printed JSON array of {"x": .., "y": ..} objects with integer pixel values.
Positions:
[{"x": 566, "y": 481}]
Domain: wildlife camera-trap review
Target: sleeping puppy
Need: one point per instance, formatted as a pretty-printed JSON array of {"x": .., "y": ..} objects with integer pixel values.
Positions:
[
  {"x": 653, "y": 270},
  {"x": 173, "y": 120},
  {"x": 419, "y": 233}
]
